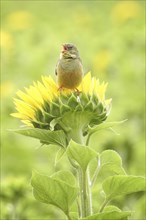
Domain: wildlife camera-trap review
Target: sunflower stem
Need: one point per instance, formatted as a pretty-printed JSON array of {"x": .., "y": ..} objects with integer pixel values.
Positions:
[
  {"x": 106, "y": 201},
  {"x": 96, "y": 173},
  {"x": 89, "y": 188},
  {"x": 76, "y": 135},
  {"x": 85, "y": 193},
  {"x": 68, "y": 216}
]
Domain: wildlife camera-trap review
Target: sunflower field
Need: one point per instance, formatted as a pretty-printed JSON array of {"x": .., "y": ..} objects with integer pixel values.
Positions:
[{"x": 53, "y": 141}]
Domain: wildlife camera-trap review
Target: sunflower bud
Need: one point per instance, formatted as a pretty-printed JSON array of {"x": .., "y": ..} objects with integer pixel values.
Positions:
[{"x": 43, "y": 106}]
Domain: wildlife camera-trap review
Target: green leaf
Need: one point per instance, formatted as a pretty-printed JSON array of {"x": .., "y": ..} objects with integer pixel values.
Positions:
[
  {"x": 104, "y": 125},
  {"x": 81, "y": 154},
  {"x": 74, "y": 215},
  {"x": 58, "y": 190},
  {"x": 121, "y": 185},
  {"x": 45, "y": 136},
  {"x": 110, "y": 208},
  {"x": 113, "y": 215},
  {"x": 111, "y": 163},
  {"x": 60, "y": 153},
  {"x": 66, "y": 177}
]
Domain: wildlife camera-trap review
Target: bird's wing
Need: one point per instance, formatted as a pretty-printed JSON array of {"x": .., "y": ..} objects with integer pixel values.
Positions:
[
  {"x": 56, "y": 67},
  {"x": 56, "y": 71},
  {"x": 80, "y": 60}
]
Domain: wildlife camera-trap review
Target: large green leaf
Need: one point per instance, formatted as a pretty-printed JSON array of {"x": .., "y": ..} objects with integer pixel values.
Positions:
[
  {"x": 113, "y": 215},
  {"x": 121, "y": 185},
  {"x": 104, "y": 125},
  {"x": 111, "y": 163},
  {"x": 111, "y": 208},
  {"x": 74, "y": 215},
  {"x": 66, "y": 177},
  {"x": 81, "y": 154},
  {"x": 59, "y": 154},
  {"x": 58, "y": 190},
  {"x": 45, "y": 136}
]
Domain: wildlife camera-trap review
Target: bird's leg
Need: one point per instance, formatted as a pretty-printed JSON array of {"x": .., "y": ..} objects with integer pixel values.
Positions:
[
  {"x": 78, "y": 94},
  {"x": 77, "y": 91},
  {"x": 60, "y": 89}
]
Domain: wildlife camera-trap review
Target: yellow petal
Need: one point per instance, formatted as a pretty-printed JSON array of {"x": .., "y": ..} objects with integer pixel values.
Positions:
[
  {"x": 101, "y": 91},
  {"x": 19, "y": 115},
  {"x": 108, "y": 101},
  {"x": 35, "y": 94},
  {"x": 24, "y": 108},
  {"x": 28, "y": 99},
  {"x": 85, "y": 84},
  {"x": 50, "y": 85},
  {"x": 27, "y": 122},
  {"x": 44, "y": 92}
]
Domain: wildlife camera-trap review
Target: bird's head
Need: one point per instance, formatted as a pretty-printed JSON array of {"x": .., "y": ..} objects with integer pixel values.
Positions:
[{"x": 69, "y": 51}]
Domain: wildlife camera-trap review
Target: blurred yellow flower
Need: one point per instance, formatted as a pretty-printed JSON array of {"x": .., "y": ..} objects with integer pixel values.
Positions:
[
  {"x": 19, "y": 20},
  {"x": 82, "y": 17},
  {"x": 6, "y": 40},
  {"x": 42, "y": 102},
  {"x": 102, "y": 60},
  {"x": 125, "y": 10},
  {"x": 6, "y": 88}
]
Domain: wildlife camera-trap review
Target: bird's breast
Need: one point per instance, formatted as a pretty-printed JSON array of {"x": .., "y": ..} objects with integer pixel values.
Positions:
[{"x": 70, "y": 73}]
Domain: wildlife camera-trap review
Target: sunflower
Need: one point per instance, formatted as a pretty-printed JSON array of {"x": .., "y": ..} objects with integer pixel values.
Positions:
[{"x": 43, "y": 106}]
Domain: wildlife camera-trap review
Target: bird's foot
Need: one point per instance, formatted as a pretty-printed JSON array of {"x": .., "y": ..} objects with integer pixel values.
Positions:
[
  {"x": 77, "y": 91},
  {"x": 60, "y": 89}
]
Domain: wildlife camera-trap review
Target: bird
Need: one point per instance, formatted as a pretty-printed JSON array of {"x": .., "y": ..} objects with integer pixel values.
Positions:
[{"x": 69, "y": 69}]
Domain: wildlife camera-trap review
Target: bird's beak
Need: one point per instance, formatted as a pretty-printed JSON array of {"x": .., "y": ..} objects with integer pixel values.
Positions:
[{"x": 64, "y": 47}]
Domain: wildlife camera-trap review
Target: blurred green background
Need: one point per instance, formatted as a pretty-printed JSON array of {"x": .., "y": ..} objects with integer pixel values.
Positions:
[{"x": 111, "y": 39}]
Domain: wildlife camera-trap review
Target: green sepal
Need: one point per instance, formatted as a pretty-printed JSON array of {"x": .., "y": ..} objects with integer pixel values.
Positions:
[
  {"x": 72, "y": 102},
  {"x": 64, "y": 99},
  {"x": 64, "y": 108},
  {"x": 54, "y": 109},
  {"x": 39, "y": 116},
  {"x": 98, "y": 119},
  {"x": 79, "y": 107},
  {"x": 89, "y": 106},
  {"x": 100, "y": 108},
  {"x": 72, "y": 111},
  {"x": 48, "y": 117},
  {"x": 46, "y": 107},
  {"x": 95, "y": 99},
  {"x": 84, "y": 99},
  {"x": 38, "y": 124}
]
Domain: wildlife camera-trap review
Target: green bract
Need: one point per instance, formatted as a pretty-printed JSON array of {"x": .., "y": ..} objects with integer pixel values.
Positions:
[{"x": 71, "y": 111}]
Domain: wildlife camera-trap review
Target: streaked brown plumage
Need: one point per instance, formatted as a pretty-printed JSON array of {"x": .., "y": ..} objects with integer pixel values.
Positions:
[{"x": 69, "y": 69}]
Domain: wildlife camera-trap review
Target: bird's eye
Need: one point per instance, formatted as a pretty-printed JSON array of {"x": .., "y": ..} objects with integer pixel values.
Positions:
[{"x": 70, "y": 47}]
